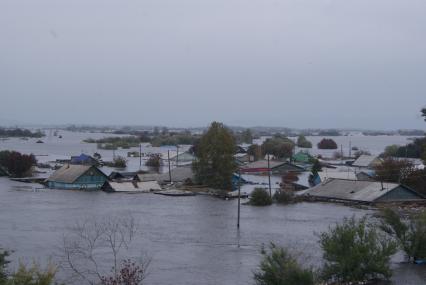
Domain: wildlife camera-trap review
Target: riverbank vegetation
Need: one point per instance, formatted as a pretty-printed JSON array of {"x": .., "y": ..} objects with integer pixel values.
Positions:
[
  {"x": 354, "y": 252},
  {"x": 20, "y": 133}
]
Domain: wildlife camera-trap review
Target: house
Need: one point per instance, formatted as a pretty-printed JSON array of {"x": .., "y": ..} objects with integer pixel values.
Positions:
[
  {"x": 131, "y": 186},
  {"x": 302, "y": 157},
  {"x": 182, "y": 174},
  {"x": 362, "y": 191},
  {"x": 335, "y": 174},
  {"x": 84, "y": 159},
  {"x": 276, "y": 167},
  {"x": 366, "y": 175},
  {"x": 367, "y": 161},
  {"x": 73, "y": 176},
  {"x": 242, "y": 158}
]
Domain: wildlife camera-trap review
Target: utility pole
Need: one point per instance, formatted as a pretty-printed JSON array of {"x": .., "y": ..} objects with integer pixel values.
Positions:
[
  {"x": 140, "y": 156},
  {"x": 269, "y": 178},
  {"x": 170, "y": 172},
  {"x": 341, "y": 153},
  {"x": 239, "y": 197},
  {"x": 177, "y": 155},
  {"x": 350, "y": 149}
]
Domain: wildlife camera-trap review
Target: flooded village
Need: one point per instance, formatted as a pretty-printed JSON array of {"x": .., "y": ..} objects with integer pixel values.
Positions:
[
  {"x": 188, "y": 229},
  {"x": 212, "y": 142}
]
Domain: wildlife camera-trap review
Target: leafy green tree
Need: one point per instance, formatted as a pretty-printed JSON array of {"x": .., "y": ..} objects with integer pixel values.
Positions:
[
  {"x": 279, "y": 267},
  {"x": 391, "y": 150},
  {"x": 410, "y": 233},
  {"x": 393, "y": 170},
  {"x": 355, "y": 252},
  {"x": 215, "y": 163},
  {"x": 278, "y": 146},
  {"x": 260, "y": 197},
  {"x": 424, "y": 113},
  {"x": 303, "y": 142}
]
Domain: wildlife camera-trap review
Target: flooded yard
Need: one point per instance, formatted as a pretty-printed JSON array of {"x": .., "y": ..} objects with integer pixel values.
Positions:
[{"x": 191, "y": 240}]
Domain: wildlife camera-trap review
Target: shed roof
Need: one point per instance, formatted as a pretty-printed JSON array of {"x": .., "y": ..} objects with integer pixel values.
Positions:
[
  {"x": 69, "y": 173},
  {"x": 366, "y": 161},
  {"x": 134, "y": 187},
  {"x": 179, "y": 174},
  {"x": 148, "y": 177},
  {"x": 349, "y": 175},
  {"x": 352, "y": 190}
]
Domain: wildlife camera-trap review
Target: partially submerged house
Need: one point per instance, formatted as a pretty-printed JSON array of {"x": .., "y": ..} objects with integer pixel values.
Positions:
[
  {"x": 302, "y": 157},
  {"x": 362, "y": 191},
  {"x": 276, "y": 167},
  {"x": 367, "y": 161},
  {"x": 73, "y": 176},
  {"x": 131, "y": 186}
]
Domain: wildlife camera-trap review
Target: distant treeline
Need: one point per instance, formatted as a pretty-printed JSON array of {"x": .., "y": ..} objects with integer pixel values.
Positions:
[
  {"x": 20, "y": 133},
  {"x": 134, "y": 141}
]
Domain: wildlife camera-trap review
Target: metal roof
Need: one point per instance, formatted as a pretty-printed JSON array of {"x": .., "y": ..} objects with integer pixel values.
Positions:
[
  {"x": 69, "y": 173},
  {"x": 179, "y": 174},
  {"x": 264, "y": 164},
  {"x": 349, "y": 175},
  {"x": 148, "y": 177},
  {"x": 366, "y": 161},
  {"x": 363, "y": 191},
  {"x": 135, "y": 187}
]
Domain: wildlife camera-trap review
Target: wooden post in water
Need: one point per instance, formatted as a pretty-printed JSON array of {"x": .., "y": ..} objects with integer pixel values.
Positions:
[
  {"x": 140, "y": 156},
  {"x": 239, "y": 197},
  {"x": 170, "y": 172},
  {"x": 177, "y": 155},
  {"x": 269, "y": 177}
]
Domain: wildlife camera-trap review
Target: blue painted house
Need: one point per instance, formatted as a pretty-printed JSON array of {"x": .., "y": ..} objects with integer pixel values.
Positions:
[{"x": 77, "y": 177}]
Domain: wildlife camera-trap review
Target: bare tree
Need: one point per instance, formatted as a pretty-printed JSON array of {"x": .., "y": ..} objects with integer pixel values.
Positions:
[{"x": 96, "y": 245}]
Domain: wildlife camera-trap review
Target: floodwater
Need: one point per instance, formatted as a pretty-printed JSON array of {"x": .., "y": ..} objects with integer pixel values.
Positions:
[{"x": 191, "y": 240}]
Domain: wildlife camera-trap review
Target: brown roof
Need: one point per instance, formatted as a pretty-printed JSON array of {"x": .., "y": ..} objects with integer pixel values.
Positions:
[{"x": 69, "y": 173}]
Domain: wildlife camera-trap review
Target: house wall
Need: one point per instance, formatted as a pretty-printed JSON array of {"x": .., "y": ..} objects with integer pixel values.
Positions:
[
  {"x": 91, "y": 180},
  {"x": 399, "y": 193}
]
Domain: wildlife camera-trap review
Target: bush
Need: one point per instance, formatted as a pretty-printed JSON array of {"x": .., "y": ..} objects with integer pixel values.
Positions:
[
  {"x": 327, "y": 144},
  {"x": 410, "y": 234},
  {"x": 354, "y": 252},
  {"x": 278, "y": 267},
  {"x": 283, "y": 196},
  {"x": 303, "y": 142},
  {"x": 260, "y": 197},
  {"x": 154, "y": 161},
  {"x": 17, "y": 164}
]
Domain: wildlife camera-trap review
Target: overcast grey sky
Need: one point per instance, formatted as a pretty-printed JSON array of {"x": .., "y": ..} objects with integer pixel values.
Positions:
[{"x": 294, "y": 63}]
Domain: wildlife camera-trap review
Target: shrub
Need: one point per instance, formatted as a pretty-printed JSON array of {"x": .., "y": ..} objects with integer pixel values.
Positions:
[
  {"x": 354, "y": 252},
  {"x": 327, "y": 144},
  {"x": 303, "y": 142},
  {"x": 278, "y": 267},
  {"x": 17, "y": 164},
  {"x": 410, "y": 234},
  {"x": 283, "y": 196},
  {"x": 130, "y": 273},
  {"x": 154, "y": 161},
  {"x": 260, "y": 197}
]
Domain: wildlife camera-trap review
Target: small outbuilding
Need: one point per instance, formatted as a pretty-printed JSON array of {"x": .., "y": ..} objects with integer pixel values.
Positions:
[
  {"x": 362, "y": 191},
  {"x": 276, "y": 167},
  {"x": 72, "y": 176},
  {"x": 367, "y": 161}
]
